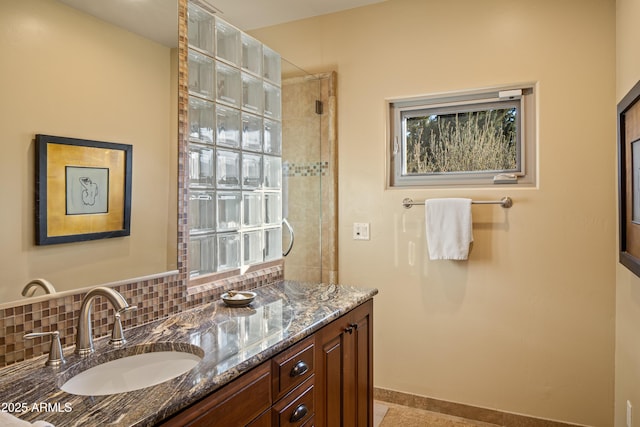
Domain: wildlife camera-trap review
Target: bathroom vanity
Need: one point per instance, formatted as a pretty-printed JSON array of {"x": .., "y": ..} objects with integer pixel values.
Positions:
[
  {"x": 326, "y": 379},
  {"x": 299, "y": 355}
]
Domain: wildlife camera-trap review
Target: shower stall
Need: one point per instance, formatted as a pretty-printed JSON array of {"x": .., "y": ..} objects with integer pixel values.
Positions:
[{"x": 309, "y": 163}]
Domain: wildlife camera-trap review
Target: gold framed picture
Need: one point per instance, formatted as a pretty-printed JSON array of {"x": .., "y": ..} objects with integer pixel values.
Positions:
[{"x": 83, "y": 189}]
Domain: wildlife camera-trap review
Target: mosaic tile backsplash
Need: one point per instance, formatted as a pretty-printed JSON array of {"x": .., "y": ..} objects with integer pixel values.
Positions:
[{"x": 156, "y": 298}]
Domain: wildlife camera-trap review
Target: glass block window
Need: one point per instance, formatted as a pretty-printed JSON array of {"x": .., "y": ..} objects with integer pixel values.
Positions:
[{"x": 235, "y": 180}]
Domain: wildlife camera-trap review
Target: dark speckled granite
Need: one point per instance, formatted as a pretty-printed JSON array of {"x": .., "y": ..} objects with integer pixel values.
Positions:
[{"x": 233, "y": 341}]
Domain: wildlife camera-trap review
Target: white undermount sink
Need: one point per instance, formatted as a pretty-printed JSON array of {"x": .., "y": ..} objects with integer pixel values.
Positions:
[{"x": 131, "y": 373}]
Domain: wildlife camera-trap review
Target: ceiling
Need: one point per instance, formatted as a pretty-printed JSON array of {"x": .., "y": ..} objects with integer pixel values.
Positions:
[
  {"x": 156, "y": 19},
  {"x": 252, "y": 14}
]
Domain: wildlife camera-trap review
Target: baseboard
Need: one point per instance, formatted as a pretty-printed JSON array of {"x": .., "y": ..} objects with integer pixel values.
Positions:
[{"x": 505, "y": 419}]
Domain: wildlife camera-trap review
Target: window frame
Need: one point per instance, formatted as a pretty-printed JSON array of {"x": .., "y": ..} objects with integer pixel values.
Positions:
[{"x": 444, "y": 103}]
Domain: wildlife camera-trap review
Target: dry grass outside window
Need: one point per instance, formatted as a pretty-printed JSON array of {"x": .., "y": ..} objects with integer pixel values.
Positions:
[{"x": 462, "y": 142}]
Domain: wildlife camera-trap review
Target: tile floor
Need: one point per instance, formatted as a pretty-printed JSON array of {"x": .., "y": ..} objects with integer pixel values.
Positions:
[
  {"x": 379, "y": 411},
  {"x": 391, "y": 415}
]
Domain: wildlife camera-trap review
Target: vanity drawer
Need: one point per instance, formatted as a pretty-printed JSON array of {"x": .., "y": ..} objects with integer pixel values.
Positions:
[
  {"x": 310, "y": 423},
  {"x": 235, "y": 404},
  {"x": 264, "y": 420},
  {"x": 293, "y": 367},
  {"x": 297, "y": 409}
]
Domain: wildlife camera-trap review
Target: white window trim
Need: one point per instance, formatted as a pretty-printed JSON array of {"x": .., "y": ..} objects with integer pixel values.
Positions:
[{"x": 527, "y": 176}]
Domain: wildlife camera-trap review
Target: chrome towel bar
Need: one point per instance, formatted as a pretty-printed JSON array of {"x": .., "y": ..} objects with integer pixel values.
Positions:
[{"x": 505, "y": 202}]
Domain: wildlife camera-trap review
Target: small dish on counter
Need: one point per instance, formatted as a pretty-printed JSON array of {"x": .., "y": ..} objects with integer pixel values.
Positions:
[{"x": 238, "y": 299}]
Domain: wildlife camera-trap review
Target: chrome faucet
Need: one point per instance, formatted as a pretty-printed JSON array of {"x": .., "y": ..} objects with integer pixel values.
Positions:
[
  {"x": 84, "y": 337},
  {"x": 30, "y": 288}
]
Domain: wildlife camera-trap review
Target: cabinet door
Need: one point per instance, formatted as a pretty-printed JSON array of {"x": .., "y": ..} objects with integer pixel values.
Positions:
[
  {"x": 345, "y": 370},
  {"x": 363, "y": 359},
  {"x": 329, "y": 370}
]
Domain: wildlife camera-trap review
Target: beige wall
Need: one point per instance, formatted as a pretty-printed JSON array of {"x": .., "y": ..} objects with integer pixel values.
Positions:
[
  {"x": 67, "y": 74},
  {"x": 627, "y": 377},
  {"x": 527, "y": 325}
]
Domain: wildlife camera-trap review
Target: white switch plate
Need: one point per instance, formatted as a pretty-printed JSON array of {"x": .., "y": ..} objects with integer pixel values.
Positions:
[{"x": 360, "y": 231}]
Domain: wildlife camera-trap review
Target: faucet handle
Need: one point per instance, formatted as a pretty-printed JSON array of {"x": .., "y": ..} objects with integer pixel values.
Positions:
[
  {"x": 128, "y": 309},
  {"x": 117, "y": 336},
  {"x": 56, "y": 357}
]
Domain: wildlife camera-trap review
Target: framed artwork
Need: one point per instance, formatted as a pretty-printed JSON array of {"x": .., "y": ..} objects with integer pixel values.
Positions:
[
  {"x": 83, "y": 189},
  {"x": 629, "y": 179}
]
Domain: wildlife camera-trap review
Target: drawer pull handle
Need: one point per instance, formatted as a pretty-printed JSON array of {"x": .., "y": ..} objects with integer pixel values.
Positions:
[
  {"x": 300, "y": 412},
  {"x": 301, "y": 368}
]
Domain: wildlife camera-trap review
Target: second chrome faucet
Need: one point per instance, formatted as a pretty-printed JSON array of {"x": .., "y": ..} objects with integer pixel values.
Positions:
[
  {"x": 30, "y": 288},
  {"x": 84, "y": 337}
]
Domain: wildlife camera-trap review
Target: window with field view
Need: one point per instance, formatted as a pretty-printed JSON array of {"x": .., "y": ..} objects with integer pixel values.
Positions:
[{"x": 462, "y": 140}]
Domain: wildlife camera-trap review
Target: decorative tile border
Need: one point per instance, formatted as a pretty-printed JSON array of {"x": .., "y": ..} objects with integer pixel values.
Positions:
[{"x": 291, "y": 169}]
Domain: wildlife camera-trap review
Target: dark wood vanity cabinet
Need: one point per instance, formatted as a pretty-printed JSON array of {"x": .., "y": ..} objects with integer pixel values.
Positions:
[{"x": 325, "y": 380}]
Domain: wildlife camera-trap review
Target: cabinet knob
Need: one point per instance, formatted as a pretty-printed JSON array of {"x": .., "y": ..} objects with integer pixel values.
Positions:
[
  {"x": 299, "y": 369},
  {"x": 300, "y": 412}
]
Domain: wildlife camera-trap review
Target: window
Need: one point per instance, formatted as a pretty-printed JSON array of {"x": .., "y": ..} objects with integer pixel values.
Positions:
[
  {"x": 234, "y": 154},
  {"x": 471, "y": 138}
]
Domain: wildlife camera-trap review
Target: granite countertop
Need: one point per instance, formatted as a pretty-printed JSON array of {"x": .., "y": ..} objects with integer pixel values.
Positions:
[{"x": 234, "y": 340}]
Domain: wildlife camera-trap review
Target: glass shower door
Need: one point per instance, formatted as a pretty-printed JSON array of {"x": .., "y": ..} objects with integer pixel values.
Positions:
[{"x": 302, "y": 172}]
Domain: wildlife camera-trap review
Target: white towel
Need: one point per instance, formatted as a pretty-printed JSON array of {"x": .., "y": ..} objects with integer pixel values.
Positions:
[
  {"x": 449, "y": 229},
  {"x": 8, "y": 420}
]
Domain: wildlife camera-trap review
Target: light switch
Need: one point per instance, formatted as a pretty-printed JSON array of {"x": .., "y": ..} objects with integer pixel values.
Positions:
[{"x": 360, "y": 231}]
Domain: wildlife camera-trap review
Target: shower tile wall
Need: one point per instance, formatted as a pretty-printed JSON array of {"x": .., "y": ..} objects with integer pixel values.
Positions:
[
  {"x": 310, "y": 176},
  {"x": 301, "y": 151}
]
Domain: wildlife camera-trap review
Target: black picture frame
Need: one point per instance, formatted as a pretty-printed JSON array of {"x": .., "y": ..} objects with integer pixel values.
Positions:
[
  {"x": 629, "y": 215},
  {"x": 83, "y": 189}
]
